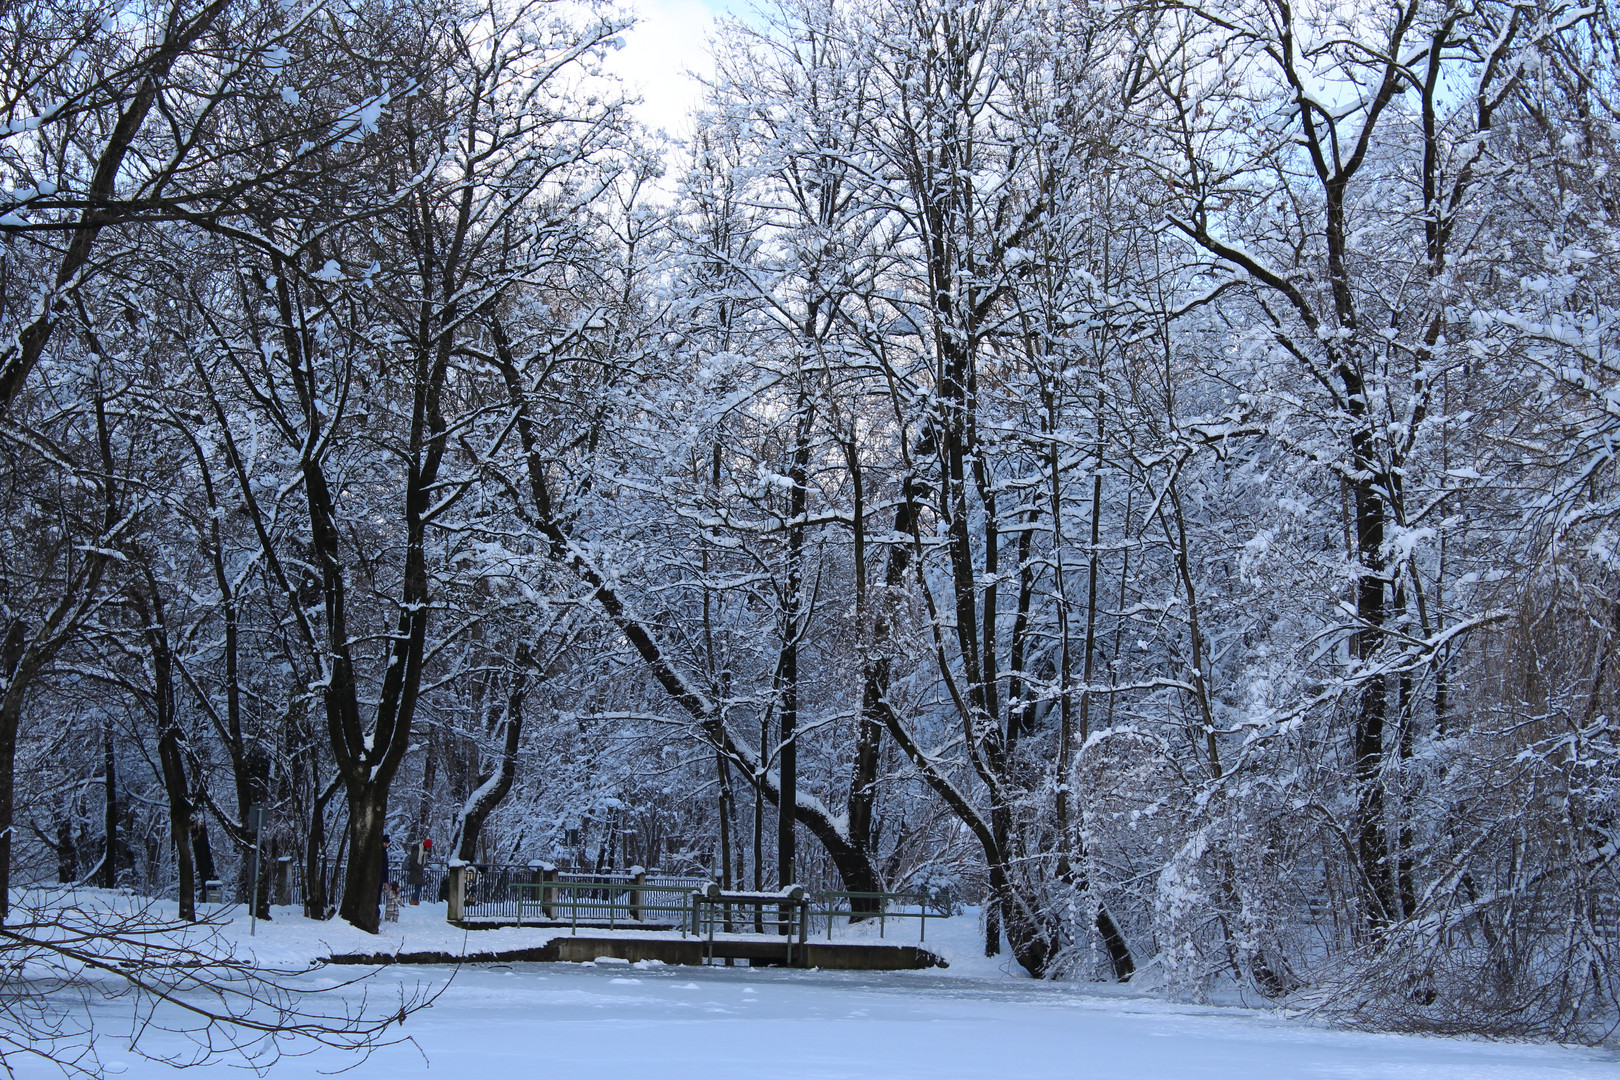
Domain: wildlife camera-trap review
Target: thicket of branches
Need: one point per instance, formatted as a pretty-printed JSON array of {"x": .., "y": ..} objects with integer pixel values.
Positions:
[{"x": 1148, "y": 468}]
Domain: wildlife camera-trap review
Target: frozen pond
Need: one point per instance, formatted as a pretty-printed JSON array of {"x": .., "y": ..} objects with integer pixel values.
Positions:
[{"x": 581, "y": 1022}]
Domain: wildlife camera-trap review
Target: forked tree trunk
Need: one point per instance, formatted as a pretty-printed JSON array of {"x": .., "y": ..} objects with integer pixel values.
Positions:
[{"x": 495, "y": 786}]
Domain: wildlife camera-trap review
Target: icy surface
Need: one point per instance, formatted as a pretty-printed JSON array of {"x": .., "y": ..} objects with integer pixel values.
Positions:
[
  {"x": 588, "y": 1021},
  {"x": 611, "y": 1021}
]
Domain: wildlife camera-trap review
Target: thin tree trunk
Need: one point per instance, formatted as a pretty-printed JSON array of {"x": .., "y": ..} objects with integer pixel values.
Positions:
[
  {"x": 493, "y": 789},
  {"x": 109, "y": 859},
  {"x": 171, "y": 763},
  {"x": 792, "y": 630},
  {"x": 11, "y": 656}
]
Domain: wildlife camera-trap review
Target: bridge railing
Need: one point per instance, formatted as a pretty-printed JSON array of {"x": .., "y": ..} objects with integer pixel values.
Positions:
[
  {"x": 787, "y": 911},
  {"x": 627, "y": 904},
  {"x": 505, "y": 892},
  {"x": 541, "y": 895},
  {"x": 858, "y": 907}
]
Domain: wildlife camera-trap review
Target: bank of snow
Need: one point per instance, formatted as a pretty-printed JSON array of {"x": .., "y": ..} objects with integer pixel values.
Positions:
[{"x": 290, "y": 940}]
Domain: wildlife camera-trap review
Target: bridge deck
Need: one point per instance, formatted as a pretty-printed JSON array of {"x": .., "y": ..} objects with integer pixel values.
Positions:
[{"x": 758, "y": 950}]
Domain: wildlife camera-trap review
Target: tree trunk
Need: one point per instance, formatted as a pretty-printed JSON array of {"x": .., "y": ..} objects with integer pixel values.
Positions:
[
  {"x": 494, "y": 787},
  {"x": 109, "y": 857},
  {"x": 11, "y": 695},
  {"x": 171, "y": 763},
  {"x": 362, "y": 884},
  {"x": 317, "y": 903}
]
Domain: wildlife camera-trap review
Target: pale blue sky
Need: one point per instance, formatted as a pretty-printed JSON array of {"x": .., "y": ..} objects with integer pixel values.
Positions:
[{"x": 670, "y": 38}]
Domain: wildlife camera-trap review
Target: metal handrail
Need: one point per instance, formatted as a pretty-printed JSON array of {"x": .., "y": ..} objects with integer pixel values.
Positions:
[
  {"x": 793, "y": 897},
  {"x": 596, "y": 905},
  {"x": 614, "y": 877},
  {"x": 701, "y": 911},
  {"x": 883, "y": 913}
]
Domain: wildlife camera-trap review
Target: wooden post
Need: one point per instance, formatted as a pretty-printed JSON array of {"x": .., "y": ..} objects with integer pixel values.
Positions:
[
  {"x": 804, "y": 929},
  {"x": 638, "y": 877},
  {"x": 711, "y": 895},
  {"x": 545, "y": 873},
  {"x": 282, "y": 876},
  {"x": 540, "y": 873},
  {"x": 455, "y": 909}
]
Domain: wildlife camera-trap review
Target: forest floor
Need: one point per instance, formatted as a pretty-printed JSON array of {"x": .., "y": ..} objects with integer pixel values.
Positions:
[{"x": 979, "y": 1018}]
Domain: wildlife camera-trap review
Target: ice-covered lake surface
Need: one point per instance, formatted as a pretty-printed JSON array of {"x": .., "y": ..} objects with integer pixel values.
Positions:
[
  {"x": 978, "y": 1019},
  {"x": 586, "y": 1021}
]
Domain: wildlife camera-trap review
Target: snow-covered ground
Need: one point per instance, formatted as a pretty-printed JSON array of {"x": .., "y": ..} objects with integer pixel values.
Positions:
[{"x": 588, "y": 1021}]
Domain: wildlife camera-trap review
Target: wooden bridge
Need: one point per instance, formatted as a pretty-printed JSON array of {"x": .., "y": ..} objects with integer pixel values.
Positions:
[{"x": 635, "y": 917}]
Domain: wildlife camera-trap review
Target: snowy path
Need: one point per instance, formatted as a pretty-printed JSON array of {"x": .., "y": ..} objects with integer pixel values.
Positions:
[{"x": 583, "y": 1022}]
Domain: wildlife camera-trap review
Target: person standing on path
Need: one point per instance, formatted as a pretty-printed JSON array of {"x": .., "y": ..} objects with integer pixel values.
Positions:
[
  {"x": 391, "y": 902},
  {"x": 416, "y": 867}
]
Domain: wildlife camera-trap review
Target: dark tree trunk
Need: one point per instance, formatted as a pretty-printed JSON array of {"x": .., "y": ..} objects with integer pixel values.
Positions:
[
  {"x": 202, "y": 850},
  {"x": 110, "y": 847},
  {"x": 875, "y": 676},
  {"x": 792, "y": 616},
  {"x": 171, "y": 762},
  {"x": 362, "y": 884},
  {"x": 255, "y": 790},
  {"x": 487, "y": 796},
  {"x": 67, "y": 854},
  {"x": 317, "y": 902},
  {"x": 11, "y": 695},
  {"x": 1373, "y": 852}
]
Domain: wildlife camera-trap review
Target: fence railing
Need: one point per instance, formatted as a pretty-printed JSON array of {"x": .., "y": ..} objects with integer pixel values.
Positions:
[
  {"x": 865, "y": 906},
  {"x": 625, "y": 903},
  {"x": 787, "y": 911},
  {"x": 540, "y": 895},
  {"x": 287, "y": 884}
]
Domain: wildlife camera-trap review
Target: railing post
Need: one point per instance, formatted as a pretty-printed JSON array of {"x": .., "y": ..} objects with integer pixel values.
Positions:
[
  {"x": 795, "y": 898},
  {"x": 712, "y": 892},
  {"x": 456, "y": 895},
  {"x": 804, "y": 931},
  {"x": 537, "y": 876},
  {"x": 544, "y": 874},
  {"x": 638, "y": 877}
]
